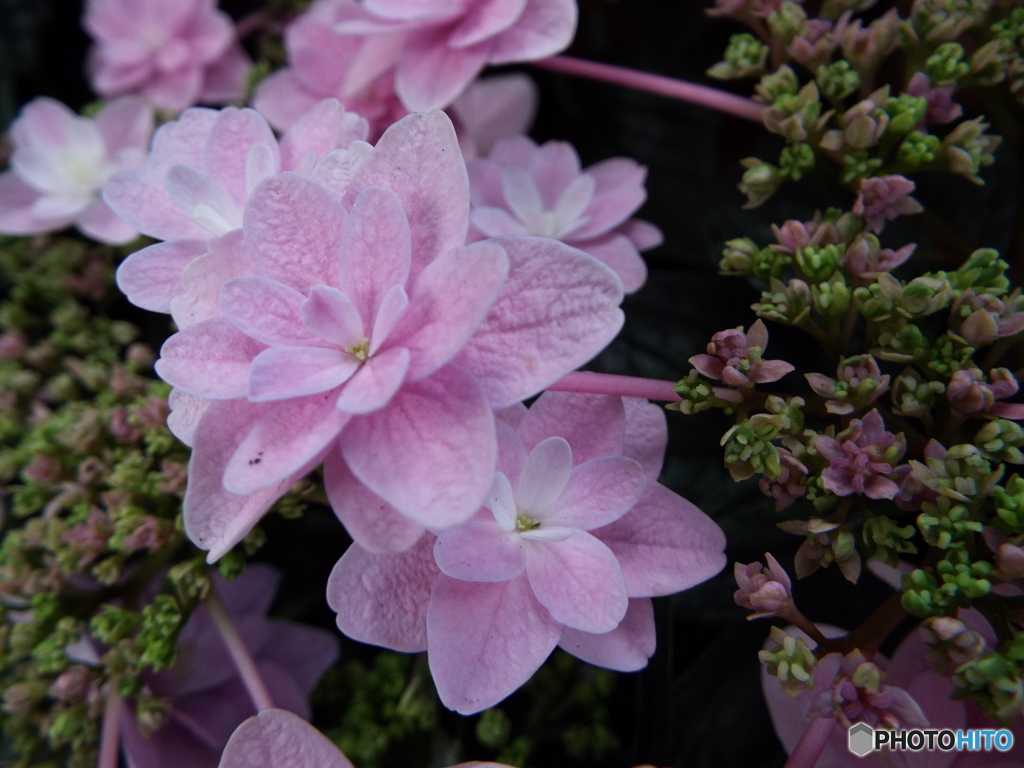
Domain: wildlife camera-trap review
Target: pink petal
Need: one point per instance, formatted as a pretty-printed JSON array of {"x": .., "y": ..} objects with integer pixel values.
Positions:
[
  {"x": 151, "y": 277},
  {"x": 448, "y": 302},
  {"x": 330, "y": 315},
  {"x": 317, "y": 131},
  {"x": 125, "y": 123},
  {"x": 174, "y": 91},
  {"x": 599, "y": 492},
  {"x": 382, "y": 599},
  {"x": 610, "y": 209},
  {"x": 375, "y": 249},
  {"x": 337, "y": 169},
  {"x": 304, "y": 653},
  {"x": 523, "y": 196},
  {"x": 214, "y": 518},
  {"x": 141, "y": 199},
  {"x": 100, "y": 223},
  {"x": 821, "y": 384},
  {"x": 392, "y": 309},
  {"x": 708, "y": 365},
  {"x": 16, "y": 200},
  {"x": 593, "y": 425},
  {"x": 579, "y": 581},
  {"x": 643, "y": 234},
  {"x": 282, "y": 99},
  {"x": 619, "y": 253},
  {"x": 186, "y": 411},
  {"x": 377, "y": 56},
  {"x": 495, "y": 222},
  {"x": 513, "y": 415},
  {"x": 1012, "y": 411},
  {"x": 664, "y": 544},
  {"x": 376, "y": 382},
  {"x": 430, "y": 75},
  {"x": 44, "y": 122},
  {"x": 279, "y": 373},
  {"x": 557, "y": 309},
  {"x": 545, "y": 28},
  {"x": 625, "y": 649},
  {"x": 267, "y": 310},
  {"x": 554, "y": 166},
  {"x": 402, "y": 10},
  {"x": 492, "y": 108},
  {"x": 418, "y": 158},
  {"x": 646, "y": 437},
  {"x": 479, "y": 551},
  {"x": 278, "y": 739},
  {"x": 202, "y": 198},
  {"x": 210, "y": 359},
  {"x": 879, "y": 487},
  {"x": 544, "y": 476},
  {"x": 291, "y": 435},
  {"x": 226, "y": 151},
  {"x": 203, "y": 278},
  {"x": 294, "y": 230},
  {"x": 757, "y": 336},
  {"x": 372, "y": 523},
  {"x": 485, "y": 640},
  {"x": 224, "y": 79},
  {"x": 485, "y": 19},
  {"x": 772, "y": 370},
  {"x": 485, "y": 178},
  {"x": 511, "y": 454},
  {"x": 430, "y": 453}
]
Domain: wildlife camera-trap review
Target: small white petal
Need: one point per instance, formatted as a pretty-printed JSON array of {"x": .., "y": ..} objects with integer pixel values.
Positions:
[
  {"x": 392, "y": 307},
  {"x": 524, "y": 199},
  {"x": 502, "y": 503},
  {"x": 203, "y": 199},
  {"x": 573, "y": 202},
  {"x": 547, "y": 534},
  {"x": 258, "y": 166},
  {"x": 544, "y": 476}
]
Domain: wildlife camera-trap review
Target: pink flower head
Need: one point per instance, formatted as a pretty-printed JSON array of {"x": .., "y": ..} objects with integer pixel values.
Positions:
[
  {"x": 917, "y": 694},
  {"x": 325, "y": 64},
  {"x": 61, "y": 162},
  {"x": 790, "y": 483},
  {"x": 736, "y": 358},
  {"x": 174, "y": 53},
  {"x": 276, "y": 738},
  {"x": 859, "y": 381},
  {"x": 861, "y": 457},
  {"x": 865, "y": 258},
  {"x": 206, "y": 693},
  {"x": 437, "y": 47},
  {"x": 884, "y": 198},
  {"x": 970, "y": 394},
  {"x": 764, "y": 590},
  {"x": 193, "y": 188},
  {"x": 941, "y": 107},
  {"x": 368, "y": 333},
  {"x": 576, "y": 537},
  {"x": 525, "y": 189}
]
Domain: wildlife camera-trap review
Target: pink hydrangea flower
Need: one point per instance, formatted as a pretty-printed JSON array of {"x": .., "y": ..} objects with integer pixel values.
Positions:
[
  {"x": 576, "y": 536},
  {"x": 176, "y": 54},
  {"x": 61, "y": 162},
  {"x": 369, "y": 333},
  {"x": 864, "y": 258},
  {"x": 883, "y": 198},
  {"x": 970, "y": 394},
  {"x": 767, "y": 591},
  {"x": 522, "y": 188},
  {"x": 208, "y": 697},
  {"x": 736, "y": 358},
  {"x": 941, "y": 107},
  {"x": 278, "y": 739},
  {"x": 861, "y": 457},
  {"x": 909, "y": 671},
  {"x": 437, "y": 47},
  {"x": 194, "y": 186}
]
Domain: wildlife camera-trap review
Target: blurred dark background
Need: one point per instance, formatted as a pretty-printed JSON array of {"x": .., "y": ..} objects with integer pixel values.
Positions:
[{"x": 699, "y": 704}]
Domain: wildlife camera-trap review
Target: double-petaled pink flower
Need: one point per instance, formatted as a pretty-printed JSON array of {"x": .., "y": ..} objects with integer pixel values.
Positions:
[
  {"x": 736, "y": 358},
  {"x": 525, "y": 189},
  {"x": 61, "y": 163},
  {"x": 861, "y": 458},
  {"x": 368, "y": 333},
  {"x": 766, "y": 591},
  {"x": 437, "y": 47},
  {"x": 883, "y": 198},
  {"x": 575, "y": 537},
  {"x": 176, "y": 54}
]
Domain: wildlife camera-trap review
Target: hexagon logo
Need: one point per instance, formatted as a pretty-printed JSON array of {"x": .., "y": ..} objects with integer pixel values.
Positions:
[{"x": 862, "y": 739}]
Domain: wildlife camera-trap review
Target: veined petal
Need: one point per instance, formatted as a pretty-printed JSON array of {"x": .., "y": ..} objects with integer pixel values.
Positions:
[
  {"x": 375, "y": 383},
  {"x": 209, "y": 359},
  {"x": 646, "y": 435},
  {"x": 267, "y": 310},
  {"x": 494, "y": 222},
  {"x": 227, "y": 149},
  {"x": 524, "y": 199},
  {"x": 280, "y": 373},
  {"x": 502, "y": 502},
  {"x": 550, "y": 534},
  {"x": 431, "y": 75},
  {"x": 625, "y": 649},
  {"x": 599, "y": 492},
  {"x": 202, "y": 199},
  {"x": 479, "y": 551},
  {"x": 545, "y": 475},
  {"x": 546, "y": 27},
  {"x": 203, "y": 278},
  {"x": 151, "y": 277},
  {"x": 260, "y": 165},
  {"x": 593, "y": 425},
  {"x": 484, "y": 20},
  {"x": 392, "y": 309},
  {"x": 275, "y": 738},
  {"x": 579, "y": 581},
  {"x": 330, "y": 314}
]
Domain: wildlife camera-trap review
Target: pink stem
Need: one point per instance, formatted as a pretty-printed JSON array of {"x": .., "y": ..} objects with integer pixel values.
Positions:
[
  {"x": 240, "y": 655},
  {"x": 723, "y": 101},
  {"x": 812, "y": 743},
  {"x": 612, "y": 384},
  {"x": 110, "y": 740}
]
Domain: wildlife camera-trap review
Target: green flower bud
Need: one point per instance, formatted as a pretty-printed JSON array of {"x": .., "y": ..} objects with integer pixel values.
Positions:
[
  {"x": 696, "y": 393},
  {"x": 888, "y": 539},
  {"x": 837, "y": 80},
  {"x": 919, "y": 149},
  {"x": 858, "y": 166},
  {"x": 832, "y": 298},
  {"x": 785, "y": 303},
  {"x": 906, "y": 112},
  {"x": 759, "y": 182},
  {"x": 913, "y": 395},
  {"x": 113, "y": 624},
  {"x": 818, "y": 263},
  {"x": 796, "y": 159},
  {"x": 1001, "y": 440},
  {"x": 744, "y": 57},
  {"x": 945, "y": 524},
  {"x": 748, "y": 447},
  {"x": 791, "y": 661},
  {"x": 901, "y": 342},
  {"x": 1010, "y": 503},
  {"x": 786, "y": 21}
]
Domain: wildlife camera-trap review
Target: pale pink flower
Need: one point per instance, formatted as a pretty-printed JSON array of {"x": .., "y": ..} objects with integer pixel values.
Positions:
[
  {"x": 61, "y": 162},
  {"x": 369, "y": 332},
  {"x": 767, "y": 591},
  {"x": 912, "y": 673},
  {"x": 193, "y": 188},
  {"x": 576, "y": 537},
  {"x": 970, "y": 394},
  {"x": 278, "y": 739},
  {"x": 941, "y": 107},
  {"x": 884, "y": 198},
  {"x": 176, "y": 54},
  {"x": 736, "y": 358},
  {"x": 207, "y": 695},
  {"x": 861, "y": 457},
  {"x": 525, "y": 189},
  {"x": 437, "y": 47}
]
